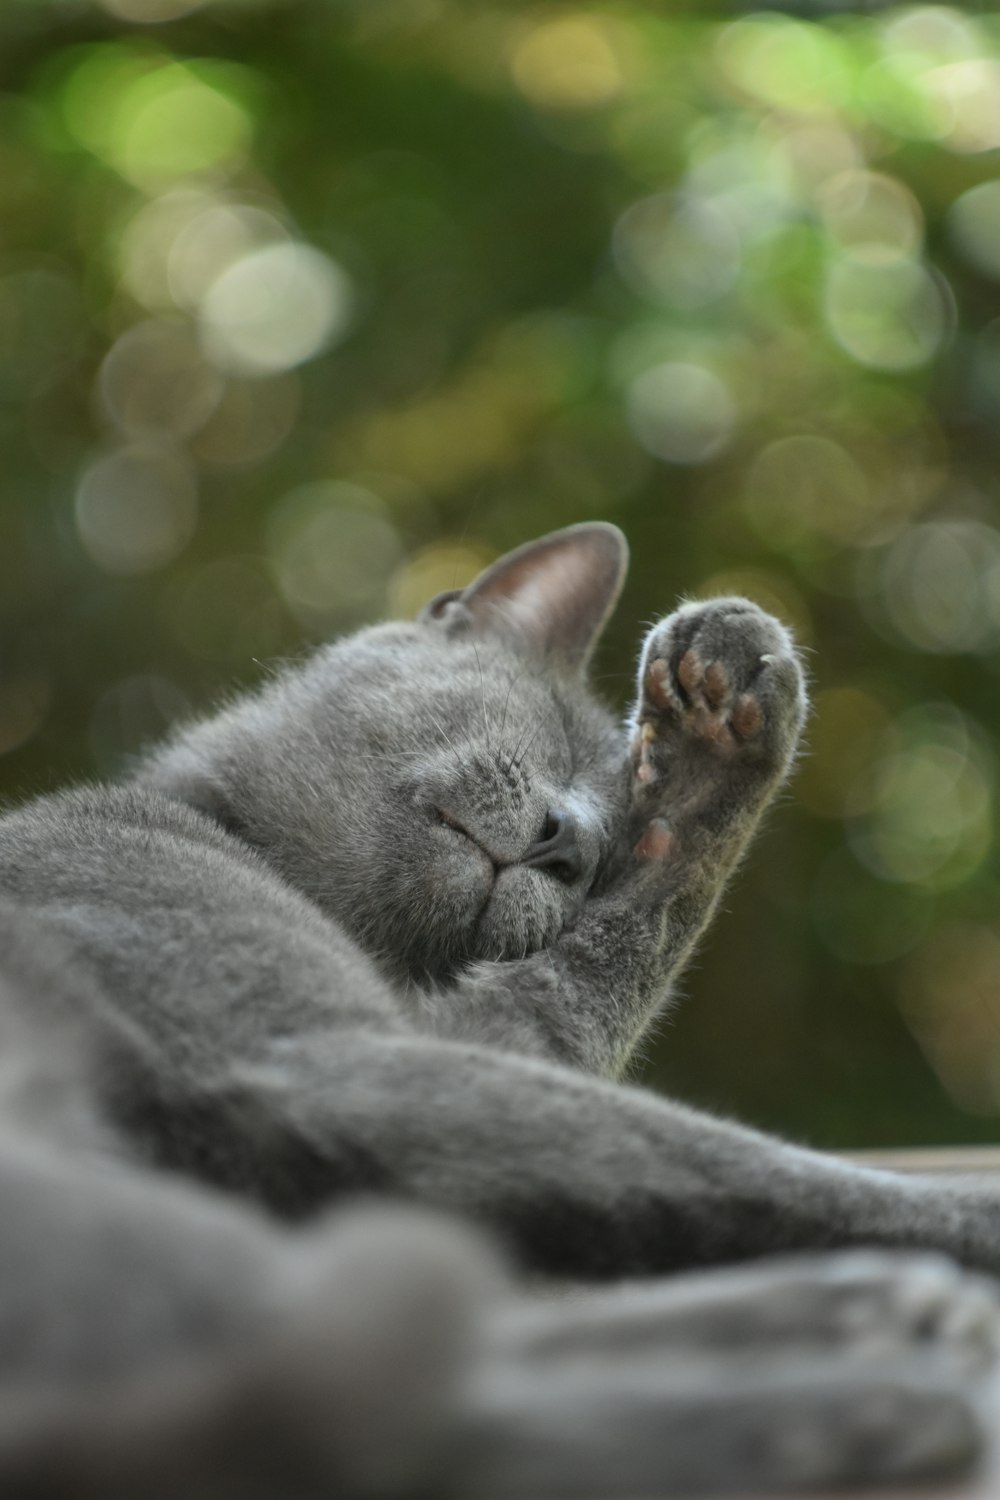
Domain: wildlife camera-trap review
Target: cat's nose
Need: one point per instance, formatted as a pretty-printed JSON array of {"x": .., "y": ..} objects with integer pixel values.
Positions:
[{"x": 557, "y": 850}]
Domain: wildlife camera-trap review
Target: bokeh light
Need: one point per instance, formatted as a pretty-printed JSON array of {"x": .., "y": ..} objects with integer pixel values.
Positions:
[
  {"x": 889, "y": 314},
  {"x": 569, "y": 62},
  {"x": 681, "y": 412},
  {"x": 334, "y": 548},
  {"x": 273, "y": 309},
  {"x": 151, "y": 12},
  {"x": 925, "y": 802},
  {"x": 967, "y": 96},
  {"x": 951, "y": 998},
  {"x": 805, "y": 486},
  {"x": 681, "y": 252},
  {"x": 250, "y": 421},
  {"x": 873, "y": 216},
  {"x": 938, "y": 586},
  {"x": 180, "y": 241},
  {"x": 136, "y": 508},
  {"x": 791, "y": 64},
  {"x": 156, "y": 120},
  {"x": 974, "y": 223},
  {"x": 154, "y": 380}
]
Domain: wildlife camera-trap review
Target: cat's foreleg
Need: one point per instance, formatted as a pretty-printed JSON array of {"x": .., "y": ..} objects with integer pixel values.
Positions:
[
  {"x": 714, "y": 729},
  {"x": 716, "y": 723},
  {"x": 719, "y": 709}
]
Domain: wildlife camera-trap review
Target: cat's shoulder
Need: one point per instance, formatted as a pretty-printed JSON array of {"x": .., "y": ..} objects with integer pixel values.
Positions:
[{"x": 96, "y": 815}]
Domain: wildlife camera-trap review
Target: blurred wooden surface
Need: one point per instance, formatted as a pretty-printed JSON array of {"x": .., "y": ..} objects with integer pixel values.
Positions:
[{"x": 933, "y": 1159}]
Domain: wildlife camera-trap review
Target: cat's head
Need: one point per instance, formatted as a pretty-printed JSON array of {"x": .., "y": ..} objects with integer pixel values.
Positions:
[{"x": 447, "y": 788}]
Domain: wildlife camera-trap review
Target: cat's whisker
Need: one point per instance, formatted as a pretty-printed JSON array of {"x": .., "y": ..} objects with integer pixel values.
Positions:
[
  {"x": 446, "y": 739},
  {"x": 514, "y": 753},
  {"x": 482, "y": 689},
  {"x": 510, "y": 688},
  {"x": 373, "y": 757},
  {"x": 519, "y": 762}
]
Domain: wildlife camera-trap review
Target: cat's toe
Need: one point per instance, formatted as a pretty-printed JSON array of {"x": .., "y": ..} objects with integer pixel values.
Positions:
[
  {"x": 723, "y": 674},
  {"x": 911, "y": 1422},
  {"x": 892, "y": 1301}
]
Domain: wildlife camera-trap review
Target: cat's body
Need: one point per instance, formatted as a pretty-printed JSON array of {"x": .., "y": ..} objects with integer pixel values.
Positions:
[{"x": 376, "y": 930}]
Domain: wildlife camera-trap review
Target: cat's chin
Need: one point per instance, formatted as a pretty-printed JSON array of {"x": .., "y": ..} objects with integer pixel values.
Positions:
[{"x": 522, "y": 915}]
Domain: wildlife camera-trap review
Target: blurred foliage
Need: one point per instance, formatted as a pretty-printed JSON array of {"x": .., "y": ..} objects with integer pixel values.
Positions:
[{"x": 307, "y": 310}]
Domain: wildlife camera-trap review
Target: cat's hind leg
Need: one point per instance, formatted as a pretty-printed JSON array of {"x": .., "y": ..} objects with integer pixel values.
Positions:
[
  {"x": 855, "y": 1368},
  {"x": 105, "y": 1268},
  {"x": 408, "y": 1368},
  {"x": 348, "y": 1384},
  {"x": 160, "y": 1341},
  {"x": 870, "y": 1303},
  {"x": 729, "y": 1427}
]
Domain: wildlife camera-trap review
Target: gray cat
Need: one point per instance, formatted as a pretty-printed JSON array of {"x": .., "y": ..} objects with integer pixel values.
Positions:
[{"x": 394, "y": 926}]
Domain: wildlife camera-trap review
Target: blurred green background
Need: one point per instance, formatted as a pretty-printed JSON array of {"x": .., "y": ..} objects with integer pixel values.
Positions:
[{"x": 307, "y": 310}]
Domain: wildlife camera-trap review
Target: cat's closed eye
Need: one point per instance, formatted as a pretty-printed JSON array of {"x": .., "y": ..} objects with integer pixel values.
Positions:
[{"x": 450, "y": 821}]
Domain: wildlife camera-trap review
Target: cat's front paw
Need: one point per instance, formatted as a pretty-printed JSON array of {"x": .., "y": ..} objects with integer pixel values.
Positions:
[{"x": 720, "y": 677}]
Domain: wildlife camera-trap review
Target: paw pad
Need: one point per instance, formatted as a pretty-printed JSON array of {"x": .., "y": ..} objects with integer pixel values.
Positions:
[
  {"x": 701, "y": 699},
  {"x": 656, "y": 841},
  {"x": 747, "y": 717},
  {"x": 723, "y": 674}
]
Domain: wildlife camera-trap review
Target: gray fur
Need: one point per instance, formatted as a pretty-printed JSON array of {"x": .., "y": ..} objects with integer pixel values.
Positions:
[{"x": 395, "y": 925}]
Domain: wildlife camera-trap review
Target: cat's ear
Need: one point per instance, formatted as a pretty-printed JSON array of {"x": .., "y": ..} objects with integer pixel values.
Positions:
[{"x": 553, "y": 596}]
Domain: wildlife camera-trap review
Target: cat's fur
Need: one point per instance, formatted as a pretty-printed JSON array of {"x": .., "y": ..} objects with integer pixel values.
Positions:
[{"x": 394, "y": 925}]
